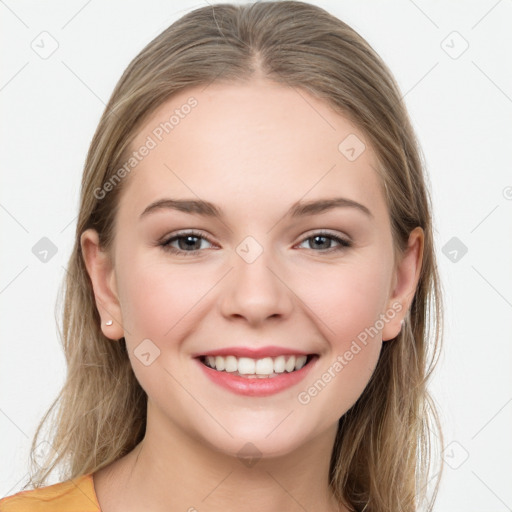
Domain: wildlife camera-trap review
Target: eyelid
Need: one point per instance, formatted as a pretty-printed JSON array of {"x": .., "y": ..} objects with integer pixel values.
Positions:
[
  {"x": 184, "y": 232},
  {"x": 326, "y": 232},
  {"x": 343, "y": 241},
  {"x": 305, "y": 236}
]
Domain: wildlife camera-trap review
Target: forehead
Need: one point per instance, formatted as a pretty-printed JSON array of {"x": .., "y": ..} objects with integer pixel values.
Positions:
[{"x": 257, "y": 146}]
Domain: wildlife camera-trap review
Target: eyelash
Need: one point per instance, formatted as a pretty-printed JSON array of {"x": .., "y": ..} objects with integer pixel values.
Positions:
[{"x": 343, "y": 243}]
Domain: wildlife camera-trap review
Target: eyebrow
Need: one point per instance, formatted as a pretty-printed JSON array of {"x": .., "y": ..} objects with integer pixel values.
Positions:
[{"x": 298, "y": 209}]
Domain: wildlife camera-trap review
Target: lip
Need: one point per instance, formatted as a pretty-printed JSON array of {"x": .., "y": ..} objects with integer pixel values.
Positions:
[
  {"x": 257, "y": 387},
  {"x": 254, "y": 353}
]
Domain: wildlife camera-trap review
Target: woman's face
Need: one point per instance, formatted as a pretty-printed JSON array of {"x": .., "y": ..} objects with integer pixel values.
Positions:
[{"x": 267, "y": 270}]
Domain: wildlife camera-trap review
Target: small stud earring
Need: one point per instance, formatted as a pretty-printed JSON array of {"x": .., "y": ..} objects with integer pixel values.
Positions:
[{"x": 108, "y": 322}]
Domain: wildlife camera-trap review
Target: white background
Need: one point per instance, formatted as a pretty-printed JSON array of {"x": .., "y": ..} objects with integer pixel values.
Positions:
[{"x": 461, "y": 109}]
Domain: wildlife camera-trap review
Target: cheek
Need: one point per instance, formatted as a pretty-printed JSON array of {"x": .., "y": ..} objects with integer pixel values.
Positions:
[
  {"x": 348, "y": 304},
  {"x": 156, "y": 296},
  {"x": 347, "y": 300},
  {"x": 158, "y": 303}
]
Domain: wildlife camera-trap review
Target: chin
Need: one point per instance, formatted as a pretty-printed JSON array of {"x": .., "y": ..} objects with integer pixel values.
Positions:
[{"x": 252, "y": 440}]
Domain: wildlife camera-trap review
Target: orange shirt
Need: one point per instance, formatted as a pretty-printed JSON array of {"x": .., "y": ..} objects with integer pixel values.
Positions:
[{"x": 77, "y": 495}]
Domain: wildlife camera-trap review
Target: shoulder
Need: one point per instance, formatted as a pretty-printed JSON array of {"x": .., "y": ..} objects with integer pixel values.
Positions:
[{"x": 76, "y": 495}]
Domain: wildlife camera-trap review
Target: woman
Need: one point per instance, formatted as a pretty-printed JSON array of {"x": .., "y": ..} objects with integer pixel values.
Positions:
[{"x": 247, "y": 299}]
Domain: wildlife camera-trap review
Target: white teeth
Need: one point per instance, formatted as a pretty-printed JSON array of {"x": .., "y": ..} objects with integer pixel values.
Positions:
[
  {"x": 264, "y": 366},
  {"x": 245, "y": 365},
  {"x": 300, "y": 362},
  {"x": 290, "y": 364},
  {"x": 248, "y": 366},
  {"x": 231, "y": 364},
  {"x": 279, "y": 364}
]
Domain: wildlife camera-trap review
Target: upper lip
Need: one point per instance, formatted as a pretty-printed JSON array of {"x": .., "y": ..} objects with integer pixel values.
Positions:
[{"x": 253, "y": 352}]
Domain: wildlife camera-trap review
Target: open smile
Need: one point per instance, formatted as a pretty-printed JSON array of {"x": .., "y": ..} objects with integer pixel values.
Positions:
[{"x": 257, "y": 377}]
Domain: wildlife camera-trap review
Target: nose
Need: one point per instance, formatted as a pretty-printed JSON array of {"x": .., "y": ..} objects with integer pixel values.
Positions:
[{"x": 256, "y": 292}]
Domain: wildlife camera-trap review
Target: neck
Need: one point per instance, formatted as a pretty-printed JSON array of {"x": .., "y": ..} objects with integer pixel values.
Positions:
[{"x": 170, "y": 470}]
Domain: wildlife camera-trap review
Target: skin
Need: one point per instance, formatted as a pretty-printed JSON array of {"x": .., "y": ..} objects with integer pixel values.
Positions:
[{"x": 253, "y": 150}]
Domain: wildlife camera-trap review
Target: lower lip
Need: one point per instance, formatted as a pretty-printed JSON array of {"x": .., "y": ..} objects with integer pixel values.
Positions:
[{"x": 257, "y": 386}]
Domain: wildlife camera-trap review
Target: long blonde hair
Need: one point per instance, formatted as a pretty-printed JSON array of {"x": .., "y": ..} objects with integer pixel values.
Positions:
[{"x": 381, "y": 459}]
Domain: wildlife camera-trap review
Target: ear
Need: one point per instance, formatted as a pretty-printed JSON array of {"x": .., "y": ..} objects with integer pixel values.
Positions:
[
  {"x": 101, "y": 272},
  {"x": 405, "y": 281}
]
